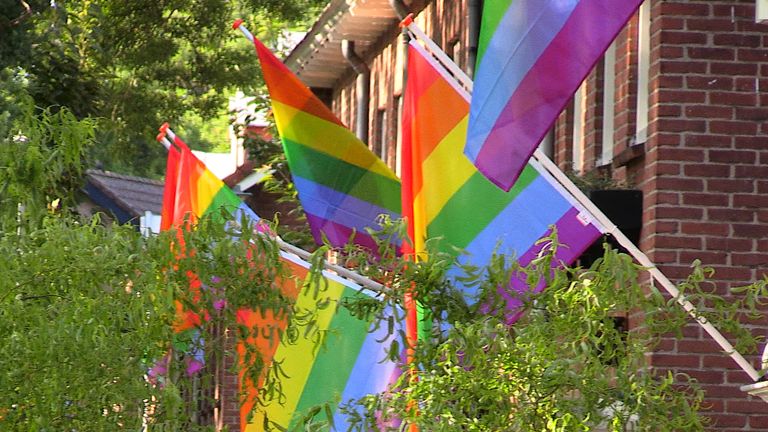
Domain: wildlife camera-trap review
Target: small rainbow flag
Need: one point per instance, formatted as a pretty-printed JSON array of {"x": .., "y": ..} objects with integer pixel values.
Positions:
[
  {"x": 445, "y": 196},
  {"x": 532, "y": 57},
  {"x": 195, "y": 191},
  {"x": 346, "y": 363},
  {"x": 342, "y": 185}
]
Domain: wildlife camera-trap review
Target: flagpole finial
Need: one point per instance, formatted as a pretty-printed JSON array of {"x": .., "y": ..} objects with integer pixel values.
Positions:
[
  {"x": 406, "y": 21},
  {"x": 238, "y": 22}
]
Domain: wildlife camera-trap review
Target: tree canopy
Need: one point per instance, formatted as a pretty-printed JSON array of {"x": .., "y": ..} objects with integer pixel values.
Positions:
[{"x": 134, "y": 65}]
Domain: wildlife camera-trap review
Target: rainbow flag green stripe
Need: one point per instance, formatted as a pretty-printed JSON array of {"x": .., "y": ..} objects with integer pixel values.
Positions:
[{"x": 476, "y": 191}]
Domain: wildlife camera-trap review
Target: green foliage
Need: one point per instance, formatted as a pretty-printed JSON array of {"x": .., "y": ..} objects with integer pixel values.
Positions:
[
  {"x": 81, "y": 315},
  {"x": 598, "y": 180},
  {"x": 86, "y": 310},
  {"x": 41, "y": 163}
]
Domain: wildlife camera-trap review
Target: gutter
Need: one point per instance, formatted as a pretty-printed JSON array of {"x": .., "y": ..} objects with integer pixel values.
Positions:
[{"x": 318, "y": 34}]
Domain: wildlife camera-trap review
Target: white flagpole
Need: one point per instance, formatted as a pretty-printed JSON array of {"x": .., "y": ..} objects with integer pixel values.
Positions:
[
  {"x": 466, "y": 82},
  {"x": 238, "y": 25},
  {"x": 285, "y": 247}
]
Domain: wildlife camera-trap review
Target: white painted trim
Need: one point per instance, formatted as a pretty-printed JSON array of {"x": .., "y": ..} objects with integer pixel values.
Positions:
[
  {"x": 609, "y": 104},
  {"x": 579, "y": 127},
  {"x": 643, "y": 72},
  {"x": 761, "y": 11}
]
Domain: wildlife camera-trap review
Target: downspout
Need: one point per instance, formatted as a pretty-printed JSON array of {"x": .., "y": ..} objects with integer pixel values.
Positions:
[
  {"x": 475, "y": 12},
  {"x": 363, "y": 88}
]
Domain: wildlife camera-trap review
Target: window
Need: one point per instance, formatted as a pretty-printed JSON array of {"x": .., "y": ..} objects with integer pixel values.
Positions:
[
  {"x": 454, "y": 51},
  {"x": 547, "y": 145},
  {"x": 379, "y": 145},
  {"x": 398, "y": 134}
]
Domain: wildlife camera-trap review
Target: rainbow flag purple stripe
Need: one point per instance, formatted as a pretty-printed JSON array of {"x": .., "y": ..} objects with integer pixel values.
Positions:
[{"x": 533, "y": 55}]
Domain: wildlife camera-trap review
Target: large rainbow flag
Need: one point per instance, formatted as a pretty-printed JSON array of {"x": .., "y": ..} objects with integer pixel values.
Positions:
[
  {"x": 533, "y": 55},
  {"x": 347, "y": 363},
  {"x": 445, "y": 196},
  {"x": 342, "y": 185}
]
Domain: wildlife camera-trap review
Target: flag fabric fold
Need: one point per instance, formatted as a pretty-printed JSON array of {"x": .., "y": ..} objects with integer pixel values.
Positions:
[
  {"x": 342, "y": 186},
  {"x": 445, "y": 196},
  {"x": 533, "y": 55},
  {"x": 348, "y": 364}
]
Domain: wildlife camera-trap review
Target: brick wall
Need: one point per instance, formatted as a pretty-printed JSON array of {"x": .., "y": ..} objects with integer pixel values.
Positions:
[
  {"x": 704, "y": 173},
  {"x": 702, "y": 170}
]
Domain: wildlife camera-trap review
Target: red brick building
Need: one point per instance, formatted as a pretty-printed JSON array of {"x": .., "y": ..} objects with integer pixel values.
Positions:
[{"x": 676, "y": 109}]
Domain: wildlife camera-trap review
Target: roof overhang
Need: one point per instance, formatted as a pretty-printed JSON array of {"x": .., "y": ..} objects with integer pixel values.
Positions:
[{"x": 317, "y": 59}]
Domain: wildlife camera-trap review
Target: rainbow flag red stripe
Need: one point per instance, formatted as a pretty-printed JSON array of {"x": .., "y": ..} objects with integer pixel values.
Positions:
[{"x": 343, "y": 187}]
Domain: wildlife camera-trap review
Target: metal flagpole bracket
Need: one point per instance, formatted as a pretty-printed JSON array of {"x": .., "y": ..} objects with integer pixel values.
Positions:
[{"x": 759, "y": 389}]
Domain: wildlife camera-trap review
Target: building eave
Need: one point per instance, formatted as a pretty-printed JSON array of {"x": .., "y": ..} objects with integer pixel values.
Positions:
[{"x": 317, "y": 59}]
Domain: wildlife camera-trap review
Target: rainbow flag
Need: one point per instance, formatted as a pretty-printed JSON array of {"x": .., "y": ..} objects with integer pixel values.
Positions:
[
  {"x": 445, "y": 196},
  {"x": 195, "y": 191},
  {"x": 347, "y": 364},
  {"x": 343, "y": 187},
  {"x": 533, "y": 55}
]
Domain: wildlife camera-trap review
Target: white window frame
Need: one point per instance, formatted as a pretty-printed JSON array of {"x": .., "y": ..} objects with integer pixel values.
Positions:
[
  {"x": 609, "y": 105},
  {"x": 643, "y": 72},
  {"x": 579, "y": 120}
]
